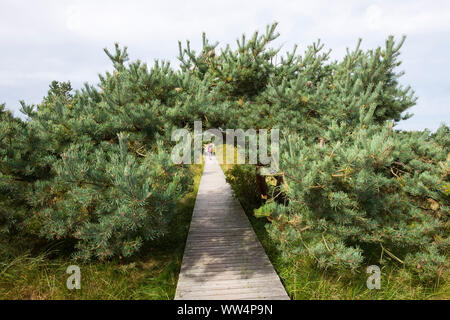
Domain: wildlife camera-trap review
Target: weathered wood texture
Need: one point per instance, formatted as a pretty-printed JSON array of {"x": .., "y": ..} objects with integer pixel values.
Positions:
[{"x": 223, "y": 258}]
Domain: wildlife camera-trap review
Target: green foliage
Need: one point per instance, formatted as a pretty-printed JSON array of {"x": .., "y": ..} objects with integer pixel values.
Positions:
[
  {"x": 93, "y": 166},
  {"x": 17, "y": 169},
  {"x": 110, "y": 201},
  {"x": 365, "y": 186},
  {"x": 151, "y": 274},
  {"x": 351, "y": 189},
  {"x": 242, "y": 180}
]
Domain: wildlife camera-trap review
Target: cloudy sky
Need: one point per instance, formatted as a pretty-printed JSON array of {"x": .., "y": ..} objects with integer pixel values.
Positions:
[{"x": 41, "y": 41}]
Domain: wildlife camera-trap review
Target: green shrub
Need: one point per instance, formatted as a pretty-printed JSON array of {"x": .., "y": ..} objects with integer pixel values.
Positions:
[
  {"x": 365, "y": 188},
  {"x": 242, "y": 181}
]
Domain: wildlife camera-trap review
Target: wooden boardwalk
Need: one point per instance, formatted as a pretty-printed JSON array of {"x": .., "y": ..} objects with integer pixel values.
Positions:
[{"x": 223, "y": 258}]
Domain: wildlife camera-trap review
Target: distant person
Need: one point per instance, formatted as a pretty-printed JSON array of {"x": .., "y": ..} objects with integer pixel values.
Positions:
[{"x": 210, "y": 150}]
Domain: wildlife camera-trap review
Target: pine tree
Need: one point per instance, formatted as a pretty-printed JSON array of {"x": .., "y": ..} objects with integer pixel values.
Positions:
[
  {"x": 102, "y": 176},
  {"x": 20, "y": 166},
  {"x": 93, "y": 167},
  {"x": 351, "y": 186}
]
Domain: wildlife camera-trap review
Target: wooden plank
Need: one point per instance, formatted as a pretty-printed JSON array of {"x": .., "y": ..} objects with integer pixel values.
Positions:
[
  {"x": 258, "y": 295},
  {"x": 226, "y": 272},
  {"x": 239, "y": 289},
  {"x": 207, "y": 277},
  {"x": 223, "y": 258},
  {"x": 221, "y": 255},
  {"x": 226, "y": 282}
]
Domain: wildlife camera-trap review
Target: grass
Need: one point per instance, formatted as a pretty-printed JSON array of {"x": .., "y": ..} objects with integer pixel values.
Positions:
[
  {"x": 303, "y": 281},
  {"x": 151, "y": 275},
  {"x": 27, "y": 277}
]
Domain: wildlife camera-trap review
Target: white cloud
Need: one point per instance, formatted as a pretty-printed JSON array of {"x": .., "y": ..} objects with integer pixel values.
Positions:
[
  {"x": 373, "y": 17},
  {"x": 62, "y": 39},
  {"x": 73, "y": 18}
]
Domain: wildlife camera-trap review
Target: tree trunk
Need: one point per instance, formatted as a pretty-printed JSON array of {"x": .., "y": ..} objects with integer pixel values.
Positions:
[{"x": 262, "y": 184}]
